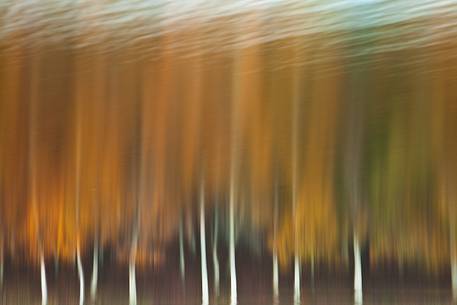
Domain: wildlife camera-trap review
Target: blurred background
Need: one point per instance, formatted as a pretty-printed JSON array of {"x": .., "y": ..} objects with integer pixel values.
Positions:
[{"x": 228, "y": 151}]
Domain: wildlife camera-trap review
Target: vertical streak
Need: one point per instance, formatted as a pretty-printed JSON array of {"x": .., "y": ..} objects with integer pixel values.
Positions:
[
  {"x": 205, "y": 295},
  {"x": 357, "y": 272},
  {"x": 275, "y": 250},
  {"x": 182, "y": 265},
  {"x": 215, "y": 258},
  {"x": 295, "y": 109},
  {"x": 94, "y": 280},
  {"x": 80, "y": 274},
  {"x": 132, "y": 273},
  {"x": 44, "y": 288}
]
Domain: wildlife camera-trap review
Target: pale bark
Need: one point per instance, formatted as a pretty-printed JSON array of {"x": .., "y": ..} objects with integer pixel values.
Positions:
[
  {"x": 94, "y": 280},
  {"x": 215, "y": 258},
  {"x": 275, "y": 276},
  {"x": 132, "y": 271},
  {"x": 204, "y": 270},
  {"x": 358, "y": 294},
  {"x": 233, "y": 288},
  {"x": 44, "y": 287},
  {"x": 297, "y": 285},
  {"x": 80, "y": 275},
  {"x": 275, "y": 250}
]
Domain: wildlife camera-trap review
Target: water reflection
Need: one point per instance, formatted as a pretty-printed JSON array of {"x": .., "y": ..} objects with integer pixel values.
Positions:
[{"x": 249, "y": 157}]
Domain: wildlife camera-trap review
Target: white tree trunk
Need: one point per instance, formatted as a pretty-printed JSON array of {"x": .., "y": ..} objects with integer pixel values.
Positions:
[
  {"x": 182, "y": 265},
  {"x": 297, "y": 275},
  {"x": 233, "y": 290},
  {"x": 94, "y": 280},
  {"x": 358, "y": 294},
  {"x": 204, "y": 270},
  {"x": 80, "y": 275},
  {"x": 275, "y": 250},
  {"x": 275, "y": 276},
  {"x": 132, "y": 272},
  {"x": 44, "y": 287},
  {"x": 215, "y": 258}
]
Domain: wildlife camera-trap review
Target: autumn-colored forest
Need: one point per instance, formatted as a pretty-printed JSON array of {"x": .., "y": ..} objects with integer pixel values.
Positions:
[{"x": 313, "y": 147}]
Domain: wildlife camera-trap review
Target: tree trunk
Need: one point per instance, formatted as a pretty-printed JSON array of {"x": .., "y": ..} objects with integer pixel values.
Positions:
[
  {"x": 233, "y": 290},
  {"x": 132, "y": 275},
  {"x": 275, "y": 276},
  {"x": 205, "y": 294},
  {"x": 275, "y": 250},
  {"x": 215, "y": 258},
  {"x": 358, "y": 294},
  {"x": 297, "y": 285},
  {"x": 44, "y": 287},
  {"x": 94, "y": 280},
  {"x": 182, "y": 265},
  {"x": 80, "y": 275}
]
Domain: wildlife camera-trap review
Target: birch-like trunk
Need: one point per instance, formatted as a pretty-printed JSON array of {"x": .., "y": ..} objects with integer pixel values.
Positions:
[
  {"x": 94, "y": 280},
  {"x": 80, "y": 274},
  {"x": 215, "y": 258},
  {"x": 204, "y": 270},
  {"x": 358, "y": 294},
  {"x": 275, "y": 250},
  {"x": 233, "y": 286},
  {"x": 182, "y": 266},
  {"x": 132, "y": 271},
  {"x": 275, "y": 276},
  {"x": 297, "y": 275},
  {"x": 44, "y": 286}
]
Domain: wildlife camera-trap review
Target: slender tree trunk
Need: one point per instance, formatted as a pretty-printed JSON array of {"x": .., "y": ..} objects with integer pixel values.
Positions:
[
  {"x": 80, "y": 274},
  {"x": 275, "y": 250},
  {"x": 215, "y": 258},
  {"x": 233, "y": 290},
  {"x": 182, "y": 265},
  {"x": 205, "y": 294},
  {"x": 294, "y": 156},
  {"x": 132, "y": 275},
  {"x": 275, "y": 275},
  {"x": 94, "y": 280},
  {"x": 358, "y": 294},
  {"x": 297, "y": 285},
  {"x": 44, "y": 287}
]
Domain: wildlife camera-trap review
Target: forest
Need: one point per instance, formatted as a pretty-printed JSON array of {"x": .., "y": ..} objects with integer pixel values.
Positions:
[{"x": 314, "y": 147}]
